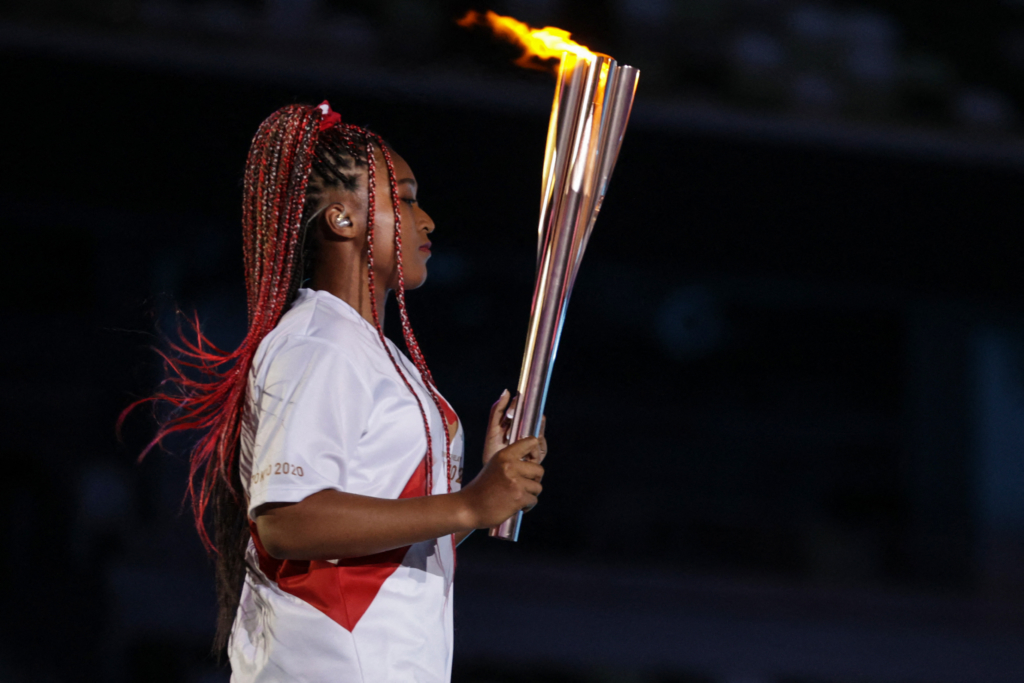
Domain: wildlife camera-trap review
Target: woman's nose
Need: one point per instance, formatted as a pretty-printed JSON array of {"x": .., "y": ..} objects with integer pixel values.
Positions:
[{"x": 426, "y": 222}]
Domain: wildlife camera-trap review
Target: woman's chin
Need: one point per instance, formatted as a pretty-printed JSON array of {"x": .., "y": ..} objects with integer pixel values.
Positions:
[{"x": 416, "y": 281}]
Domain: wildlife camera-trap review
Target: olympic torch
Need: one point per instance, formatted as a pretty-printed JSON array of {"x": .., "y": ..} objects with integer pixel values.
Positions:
[{"x": 593, "y": 99}]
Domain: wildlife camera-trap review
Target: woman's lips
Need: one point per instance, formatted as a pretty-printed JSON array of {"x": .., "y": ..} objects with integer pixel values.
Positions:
[{"x": 425, "y": 247}]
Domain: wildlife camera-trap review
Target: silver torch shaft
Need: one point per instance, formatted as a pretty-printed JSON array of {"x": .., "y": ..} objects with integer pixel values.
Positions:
[{"x": 593, "y": 100}]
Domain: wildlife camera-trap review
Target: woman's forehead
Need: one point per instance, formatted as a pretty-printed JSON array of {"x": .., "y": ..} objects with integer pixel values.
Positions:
[{"x": 400, "y": 164}]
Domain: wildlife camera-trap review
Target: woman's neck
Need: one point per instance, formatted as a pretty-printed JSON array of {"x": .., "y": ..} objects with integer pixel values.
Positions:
[{"x": 353, "y": 288}]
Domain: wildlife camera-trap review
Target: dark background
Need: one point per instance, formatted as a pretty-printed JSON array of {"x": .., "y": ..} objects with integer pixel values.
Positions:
[{"x": 787, "y": 419}]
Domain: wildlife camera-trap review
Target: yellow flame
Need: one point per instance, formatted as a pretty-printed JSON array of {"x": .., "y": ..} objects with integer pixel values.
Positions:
[{"x": 538, "y": 44}]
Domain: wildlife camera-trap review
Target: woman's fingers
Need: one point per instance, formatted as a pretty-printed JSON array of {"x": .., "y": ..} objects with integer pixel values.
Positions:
[
  {"x": 538, "y": 452},
  {"x": 506, "y": 419},
  {"x": 498, "y": 410},
  {"x": 511, "y": 410},
  {"x": 543, "y": 441},
  {"x": 531, "y": 494},
  {"x": 530, "y": 467},
  {"x": 530, "y": 470},
  {"x": 497, "y": 425},
  {"x": 509, "y": 481},
  {"x": 524, "y": 449}
]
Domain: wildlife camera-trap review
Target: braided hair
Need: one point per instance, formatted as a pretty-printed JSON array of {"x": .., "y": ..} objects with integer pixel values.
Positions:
[{"x": 298, "y": 153}]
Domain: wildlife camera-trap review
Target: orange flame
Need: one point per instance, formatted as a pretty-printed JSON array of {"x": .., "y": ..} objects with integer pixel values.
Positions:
[{"x": 539, "y": 44}]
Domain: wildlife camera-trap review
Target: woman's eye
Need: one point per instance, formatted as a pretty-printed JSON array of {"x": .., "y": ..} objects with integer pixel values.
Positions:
[{"x": 411, "y": 201}]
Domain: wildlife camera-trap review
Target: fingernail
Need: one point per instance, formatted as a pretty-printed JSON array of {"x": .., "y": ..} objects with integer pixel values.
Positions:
[{"x": 504, "y": 393}]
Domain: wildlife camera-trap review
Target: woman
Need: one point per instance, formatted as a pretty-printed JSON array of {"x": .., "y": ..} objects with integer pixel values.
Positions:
[{"x": 328, "y": 462}]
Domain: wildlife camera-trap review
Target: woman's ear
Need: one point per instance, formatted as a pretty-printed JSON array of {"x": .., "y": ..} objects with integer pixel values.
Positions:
[{"x": 339, "y": 221}]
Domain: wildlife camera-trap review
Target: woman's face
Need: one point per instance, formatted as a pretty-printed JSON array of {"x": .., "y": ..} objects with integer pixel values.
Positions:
[{"x": 416, "y": 226}]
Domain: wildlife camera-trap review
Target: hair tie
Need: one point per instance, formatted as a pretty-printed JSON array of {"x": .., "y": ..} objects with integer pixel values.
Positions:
[{"x": 330, "y": 117}]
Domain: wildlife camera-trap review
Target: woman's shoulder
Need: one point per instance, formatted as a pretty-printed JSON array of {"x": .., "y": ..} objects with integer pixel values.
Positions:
[
  {"x": 319, "y": 315},
  {"x": 321, "y": 324}
]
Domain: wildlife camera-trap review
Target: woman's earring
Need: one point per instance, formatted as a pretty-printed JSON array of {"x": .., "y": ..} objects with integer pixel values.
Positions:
[{"x": 342, "y": 222}]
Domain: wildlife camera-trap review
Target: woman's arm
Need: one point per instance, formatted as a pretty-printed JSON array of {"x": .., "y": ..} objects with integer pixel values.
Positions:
[{"x": 333, "y": 525}]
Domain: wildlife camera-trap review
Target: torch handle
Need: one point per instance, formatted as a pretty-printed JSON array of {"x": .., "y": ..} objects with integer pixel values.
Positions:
[
  {"x": 509, "y": 529},
  {"x": 591, "y": 108},
  {"x": 549, "y": 304}
]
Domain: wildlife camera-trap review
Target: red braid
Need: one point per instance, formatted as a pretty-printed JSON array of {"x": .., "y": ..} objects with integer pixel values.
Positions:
[
  {"x": 410, "y": 340},
  {"x": 407, "y": 334},
  {"x": 206, "y": 386}
]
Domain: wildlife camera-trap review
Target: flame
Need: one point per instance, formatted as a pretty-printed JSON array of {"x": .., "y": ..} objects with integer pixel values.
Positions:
[{"x": 538, "y": 44}]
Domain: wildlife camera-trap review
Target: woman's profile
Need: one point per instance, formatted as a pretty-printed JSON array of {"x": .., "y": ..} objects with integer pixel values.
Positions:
[{"x": 326, "y": 473}]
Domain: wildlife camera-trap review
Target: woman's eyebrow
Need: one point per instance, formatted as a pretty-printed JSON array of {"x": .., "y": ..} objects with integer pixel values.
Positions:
[{"x": 407, "y": 180}]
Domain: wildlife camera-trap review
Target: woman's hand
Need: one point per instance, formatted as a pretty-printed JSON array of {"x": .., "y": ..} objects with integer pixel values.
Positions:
[
  {"x": 500, "y": 422},
  {"x": 509, "y": 482},
  {"x": 499, "y": 426}
]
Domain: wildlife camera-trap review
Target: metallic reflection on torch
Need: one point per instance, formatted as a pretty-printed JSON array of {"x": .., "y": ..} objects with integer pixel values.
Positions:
[{"x": 592, "y": 103}]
